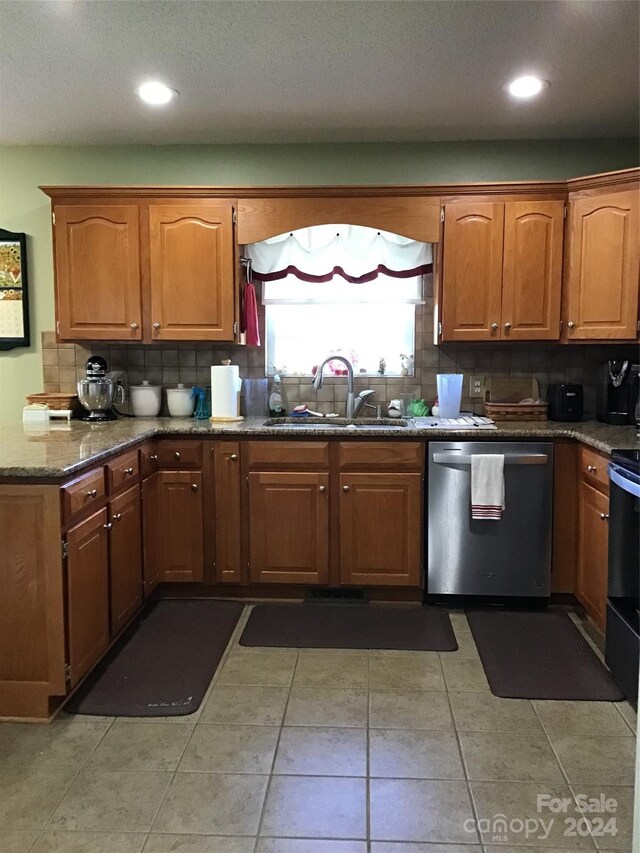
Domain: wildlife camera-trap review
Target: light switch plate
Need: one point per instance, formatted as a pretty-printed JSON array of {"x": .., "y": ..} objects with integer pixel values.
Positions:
[{"x": 476, "y": 386}]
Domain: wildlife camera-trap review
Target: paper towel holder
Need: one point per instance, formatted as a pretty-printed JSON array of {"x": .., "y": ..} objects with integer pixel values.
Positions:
[{"x": 226, "y": 362}]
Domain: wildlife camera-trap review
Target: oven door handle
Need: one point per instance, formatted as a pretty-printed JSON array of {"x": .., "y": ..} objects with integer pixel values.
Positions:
[{"x": 624, "y": 480}]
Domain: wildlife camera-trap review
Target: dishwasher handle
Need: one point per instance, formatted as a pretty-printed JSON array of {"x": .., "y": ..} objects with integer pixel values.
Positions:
[{"x": 453, "y": 458}]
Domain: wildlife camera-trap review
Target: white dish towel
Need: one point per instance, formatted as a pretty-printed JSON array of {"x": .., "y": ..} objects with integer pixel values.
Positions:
[{"x": 487, "y": 486}]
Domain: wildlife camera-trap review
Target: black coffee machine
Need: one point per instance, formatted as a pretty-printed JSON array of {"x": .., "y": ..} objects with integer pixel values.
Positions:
[{"x": 618, "y": 392}]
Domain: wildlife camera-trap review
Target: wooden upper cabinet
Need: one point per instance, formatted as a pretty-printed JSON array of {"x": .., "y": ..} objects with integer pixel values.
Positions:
[
  {"x": 97, "y": 261},
  {"x": 192, "y": 271},
  {"x": 532, "y": 270},
  {"x": 472, "y": 273},
  {"x": 604, "y": 259}
]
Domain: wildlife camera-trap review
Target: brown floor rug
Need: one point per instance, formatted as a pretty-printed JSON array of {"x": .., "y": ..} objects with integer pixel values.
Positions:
[
  {"x": 164, "y": 663},
  {"x": 357, "y": 626},
  {"x": 539, "y": 655}
]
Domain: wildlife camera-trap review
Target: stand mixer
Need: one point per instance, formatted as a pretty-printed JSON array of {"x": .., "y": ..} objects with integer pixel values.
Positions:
[{"x": 99, "y": 393}]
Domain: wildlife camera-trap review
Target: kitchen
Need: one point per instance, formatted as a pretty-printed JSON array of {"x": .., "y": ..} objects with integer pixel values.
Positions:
[{"x": 336, "y": 666}]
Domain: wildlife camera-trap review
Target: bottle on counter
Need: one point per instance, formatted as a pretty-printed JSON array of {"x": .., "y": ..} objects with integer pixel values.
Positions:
[{"x": 277, "y": 407}]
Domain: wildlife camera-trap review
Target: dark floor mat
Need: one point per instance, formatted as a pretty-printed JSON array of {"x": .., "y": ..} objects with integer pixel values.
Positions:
[
  {"x": 164, "y": 664},
  {"x": 539, "y": 655},
  {"x": 339, "y": 626}
]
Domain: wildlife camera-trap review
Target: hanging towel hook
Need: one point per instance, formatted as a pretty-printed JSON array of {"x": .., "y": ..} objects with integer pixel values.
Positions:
[{"x": 248, "y": 263}]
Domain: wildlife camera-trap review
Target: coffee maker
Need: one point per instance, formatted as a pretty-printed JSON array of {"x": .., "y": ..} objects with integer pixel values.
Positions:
[
  {"x": 99, "y": 393},
  {"x": 618, "y": 389}
]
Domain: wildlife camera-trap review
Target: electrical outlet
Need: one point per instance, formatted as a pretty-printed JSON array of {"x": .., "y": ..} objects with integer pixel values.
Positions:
[{"x": 476, "y": 386}]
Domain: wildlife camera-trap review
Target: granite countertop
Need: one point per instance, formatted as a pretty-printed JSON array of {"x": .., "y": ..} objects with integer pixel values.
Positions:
[{"x": 65, "y": 448}]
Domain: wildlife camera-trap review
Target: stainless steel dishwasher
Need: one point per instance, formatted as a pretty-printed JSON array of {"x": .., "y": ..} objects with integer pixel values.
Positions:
[{"x": 509, "y": 557}]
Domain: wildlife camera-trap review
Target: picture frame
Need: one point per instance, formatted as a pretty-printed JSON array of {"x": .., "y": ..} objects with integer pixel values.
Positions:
[{"x": 14, "y": 291}]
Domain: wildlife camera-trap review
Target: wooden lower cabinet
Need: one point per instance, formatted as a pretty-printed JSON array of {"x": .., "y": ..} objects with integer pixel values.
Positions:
[
  {"x": 125, "y": 557},
  {"x": 289, "y": 527},
  {"x": 180, "y": 526},
  {"x": 87, "y": 593},
  {"x": 151, "y": 563},
  {"x": 591, "y": 586},
  {"x": 228, "y": 528},
  {"x": 380, "y": 529}
]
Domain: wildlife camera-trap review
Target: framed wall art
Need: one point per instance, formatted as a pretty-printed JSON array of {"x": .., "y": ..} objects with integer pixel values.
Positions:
[{"x": 14, "y": 300}]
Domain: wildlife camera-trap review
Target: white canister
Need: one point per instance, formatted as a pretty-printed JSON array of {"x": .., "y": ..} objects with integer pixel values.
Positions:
[
  {"x": 146, "y": 399},
  {"x": 181, "y": 401}
]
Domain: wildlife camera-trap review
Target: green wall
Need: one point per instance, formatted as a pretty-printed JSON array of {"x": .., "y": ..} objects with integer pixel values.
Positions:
[{"x": 24, "y": 208}]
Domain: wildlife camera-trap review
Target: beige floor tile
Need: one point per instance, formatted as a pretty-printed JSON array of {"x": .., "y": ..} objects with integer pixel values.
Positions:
[
  {"x": 401, "y": 753},
  {"x": 28, "y": 796},
  {"x": 264, "y": 669},
  {"x": 620, "y": 837},
  {"x": 409, "y": 709},
  {"x": 482, "y": 712},
  {"x": 420, "y": 810},
  {"x": 318, "y": 751},
  {"x": 109, "y": 801},
  {"x": 230, "y": 749},
  {"x": 404, "y": 847},
  {"x": 212, "y": 803},
  {"x": 332, "y": 670},
  {"x": 150, "y": 746},
  {"x": 629, "y": 714},
  {"x": 517, "y": 802},
  {"x": 308, "y": 845},
  {"x": 601, "y": 760},
  {"x": 197, "y": 844},
  {"x": 325, "y": 706},
  {"x": 402, "y": 671},
  {"x": 8, "y": 731},
  {"x": 315, "y": 807},
  {"x": 60, "y": 841},
  {"x": 502, "y": 756},
  {"x": 590, "y": 718},
  {"x": 53, "y": 746},
  {"x": 250, "y": 706},
  {"x": 527, "y": 849},
  {"x": 17, "y": 840},
  {"x": 467, "y": 649},
  {"x": 460, "y": 622},
  {"x": 464, "y": 675}
]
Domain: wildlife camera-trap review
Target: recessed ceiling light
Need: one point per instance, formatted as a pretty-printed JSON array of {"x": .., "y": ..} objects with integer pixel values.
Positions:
[
  {"x": 156, "y": 93},
  {"x": 527, "y": 86}
]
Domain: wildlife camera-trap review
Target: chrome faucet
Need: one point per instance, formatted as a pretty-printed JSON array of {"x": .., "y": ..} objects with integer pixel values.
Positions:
[{"x": 354, "y": 404}]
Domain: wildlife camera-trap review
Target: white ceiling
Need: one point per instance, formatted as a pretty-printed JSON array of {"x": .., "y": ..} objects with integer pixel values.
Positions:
[{"x": 315, "y": 70}]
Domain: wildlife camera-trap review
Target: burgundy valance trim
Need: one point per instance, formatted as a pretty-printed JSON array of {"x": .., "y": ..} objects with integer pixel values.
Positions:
[{"x": 423, "y": 269}]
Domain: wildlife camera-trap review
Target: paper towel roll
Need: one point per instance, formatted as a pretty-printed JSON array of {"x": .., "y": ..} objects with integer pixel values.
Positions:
[{"x": 225, "y": 390}]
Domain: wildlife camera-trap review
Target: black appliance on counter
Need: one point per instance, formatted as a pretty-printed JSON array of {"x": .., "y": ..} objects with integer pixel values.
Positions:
[
  {"x": 565, "y": 402},
  {"x": 618, "y": 389},
  {"x": 622, "y": 640}
]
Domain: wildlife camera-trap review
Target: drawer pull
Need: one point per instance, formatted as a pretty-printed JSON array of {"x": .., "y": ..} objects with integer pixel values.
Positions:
[
  {"x": 591, "y": 469},
  {"x": 128, "y": 470},
  {"x": 233, "y": 457},
  {"x": 176, "y": 455},
  {"x": 194, "y": 487},
  {"x": 604, "y": 516},
  {"x": 571, "y": 324},
  {"x": 107, "y": 526},
  {"x": 346, "y": 489},
  {"x": 156, "y": 325},
  {"x": 494, "y": 326},
  {"x": 92, "y": 493},
  {"x": 134, "y": 325},
  {"x": 154, "y": 457},
  {"x": 507, "y": 326},
  {"x": 322, "y": 489},
  {"x": 117, "y": 516}
]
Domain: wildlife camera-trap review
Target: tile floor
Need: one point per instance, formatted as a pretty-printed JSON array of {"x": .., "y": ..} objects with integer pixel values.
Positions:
[{"x": 322, "y": 752}]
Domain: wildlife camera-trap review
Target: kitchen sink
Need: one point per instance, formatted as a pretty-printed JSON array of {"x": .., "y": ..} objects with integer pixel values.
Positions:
[{"x": 332, "y": 423}]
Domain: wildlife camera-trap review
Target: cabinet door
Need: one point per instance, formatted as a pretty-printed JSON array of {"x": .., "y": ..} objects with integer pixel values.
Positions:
[
  {"x": 151, "y": 561},
  {"x": 532, "y": 270},
  {"x": 604, "y": 258},
  {"x": 125, "y": 557},
  {"x": 472, "y": 273},
  {"x": 192, "y": 271},
  {"x": 380, "y": 529},
  {"x": 593, "y": 553},
  {"x": 181, "y": 526},
  {"x": 226, "y": 465},
  {"x": 98, "y": 272},
  {"x": 289, "y": 527},
  {"x": 87, "y": 593}
]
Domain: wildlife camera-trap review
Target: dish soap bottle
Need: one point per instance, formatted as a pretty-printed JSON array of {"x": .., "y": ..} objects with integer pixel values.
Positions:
[{"x": 276, "y": 398}]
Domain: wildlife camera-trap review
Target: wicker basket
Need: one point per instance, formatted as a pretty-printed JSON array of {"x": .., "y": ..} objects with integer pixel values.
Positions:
[
  {"x": 502, "y": 396},
  {"x": 56, "y": 401}
]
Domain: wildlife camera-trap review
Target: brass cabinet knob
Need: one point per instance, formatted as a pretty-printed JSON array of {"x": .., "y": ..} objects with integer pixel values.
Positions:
[
  {"x": 156, "y": 325},
  {"x": 128, "y": 471},
  {"x": 92, "y": 493},
  {"x": 591, "y": 469},
  {"x": 604, "y": 516},
  {"x": 117, "y": 516},
  {"x": 571, "y": 324},
  {"x": 233, "y": 457},
  {"x": 345, "y": 488},
  {"x": 322, "y": 489},
  {"x": 507, "y": 326},
  {"x": 494, "y": 326},
  {"x": 194, "y": 487},
  {"x": 134, "y": 325},
  {"x": 176, "y": 455},
  {"x": 107, "y": 526}
]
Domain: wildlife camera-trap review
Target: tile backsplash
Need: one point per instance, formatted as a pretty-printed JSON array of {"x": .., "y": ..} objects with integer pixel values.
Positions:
[{"x": 169, "y": 363}]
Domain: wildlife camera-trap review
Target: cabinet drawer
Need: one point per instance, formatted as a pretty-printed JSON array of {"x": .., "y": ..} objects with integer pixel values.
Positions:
[
  {"x": 288, "y": 454},
  {"x": 148, "y": 458},
  {"x": 395, "y": 455},
  {"x": 593, "y": 469},
  {"x": 180, "y": 454},
  {"x": 86, "y": 491},
  {"x": 122, "y": 470}
]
